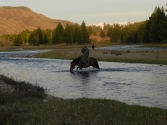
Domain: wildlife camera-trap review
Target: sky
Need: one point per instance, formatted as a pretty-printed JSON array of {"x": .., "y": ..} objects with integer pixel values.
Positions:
[{"x": 92, "y": 11}]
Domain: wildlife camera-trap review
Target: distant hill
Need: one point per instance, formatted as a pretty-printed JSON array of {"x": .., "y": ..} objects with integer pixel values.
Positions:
[{"x": 16, "y": 19}]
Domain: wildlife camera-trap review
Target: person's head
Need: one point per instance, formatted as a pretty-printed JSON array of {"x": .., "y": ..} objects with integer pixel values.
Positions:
[{"x": 85, "y": 47}]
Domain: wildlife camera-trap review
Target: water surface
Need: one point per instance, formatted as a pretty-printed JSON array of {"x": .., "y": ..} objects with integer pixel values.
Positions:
[{"x": 139, "y": 84}]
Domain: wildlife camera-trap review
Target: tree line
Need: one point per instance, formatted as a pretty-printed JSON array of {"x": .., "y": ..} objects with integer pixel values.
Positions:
[
  {"x": 71, "y": 34},
  {"x": 153, "y": 30}
]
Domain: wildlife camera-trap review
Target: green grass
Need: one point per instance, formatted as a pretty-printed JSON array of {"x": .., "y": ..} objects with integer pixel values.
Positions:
[
  {"x": 155, "y": 45},
  {"x": 58, "y": 46},
  {"x": 129, "y": 60},
  {"x": 50, "y": 54},
  {"x": 55, "y": 55},
  {"x": 61, "y": 55},
  {"x": 23, "y": 107}
]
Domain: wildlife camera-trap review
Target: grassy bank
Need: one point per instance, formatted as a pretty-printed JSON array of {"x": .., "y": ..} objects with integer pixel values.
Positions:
[
  {"x": 156, "y": 45},
  {"x": 57, "y": 46},
  {"x": 135, "y": 56},
  {"x": 29, "y": 105},
  {"x": 130, "y": 60},
  {"x": 70, "y": 52},
  {"x": 152, "y": 57}
]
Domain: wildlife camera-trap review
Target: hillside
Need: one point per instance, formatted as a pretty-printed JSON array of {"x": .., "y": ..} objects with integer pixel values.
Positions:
[{"x": 16, "y": 19}]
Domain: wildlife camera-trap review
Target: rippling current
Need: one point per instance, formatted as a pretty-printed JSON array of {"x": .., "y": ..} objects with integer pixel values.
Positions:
[{"x": 139, "y": 84}]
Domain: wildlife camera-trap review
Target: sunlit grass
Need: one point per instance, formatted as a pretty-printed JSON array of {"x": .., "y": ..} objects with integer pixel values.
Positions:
[
  {"x": 58, "y": 54},
  {"x": 70, "y": 55},
  {"x": 129, "y": 60}
]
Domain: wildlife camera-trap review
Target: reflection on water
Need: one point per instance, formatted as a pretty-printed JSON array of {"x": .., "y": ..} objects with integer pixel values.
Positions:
[{"x": 140, "y": 84}]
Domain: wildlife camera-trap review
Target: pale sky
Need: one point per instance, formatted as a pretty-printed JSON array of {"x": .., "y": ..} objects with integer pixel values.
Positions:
[{"x": 91, "y": 11}]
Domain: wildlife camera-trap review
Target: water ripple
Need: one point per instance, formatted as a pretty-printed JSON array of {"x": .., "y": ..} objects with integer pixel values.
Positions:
[{"x": 141, "y": 84}]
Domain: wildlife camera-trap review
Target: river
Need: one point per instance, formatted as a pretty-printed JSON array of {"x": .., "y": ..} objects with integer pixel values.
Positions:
[{"x": 137, "y": 84}]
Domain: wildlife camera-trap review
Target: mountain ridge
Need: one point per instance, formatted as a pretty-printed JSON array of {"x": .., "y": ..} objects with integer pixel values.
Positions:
[{"x": 14, "y": 20}]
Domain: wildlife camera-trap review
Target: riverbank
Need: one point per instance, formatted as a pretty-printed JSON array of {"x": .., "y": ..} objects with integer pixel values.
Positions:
[
  {"x": 129, "y": 56},
  {"x": 71, "y": 52},
  {"x": 28, "y": 104}
]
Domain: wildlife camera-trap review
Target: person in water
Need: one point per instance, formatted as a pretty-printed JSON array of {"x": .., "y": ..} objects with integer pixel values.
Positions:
[
  {"x": 93, "y": 45},
  {"x": 85, "y": 55}
]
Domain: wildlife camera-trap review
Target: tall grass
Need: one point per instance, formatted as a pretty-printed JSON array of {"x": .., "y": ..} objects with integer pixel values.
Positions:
[
  {"x": 29, "y": 105},
  {"x": 32, "y": 111}
]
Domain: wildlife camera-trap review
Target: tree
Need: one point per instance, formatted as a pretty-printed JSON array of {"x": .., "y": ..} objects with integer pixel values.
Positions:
[
  {"x": 58, "y": 35},
  {"x": 124, "y": 34},
  {"x": 106, "y": 27},
  {"x": 102, "y": 33},
  {"x": 140, "y": 32},
  {"x": 115, "y": 33},
  {"x": 84, "y": 34},
  {"x": 156, "y": 19},
  {"x": 131, "y": 36},
  {"x": 39, "y": 36},
  {"x": 109, "y": 31},
  {"x": 90, "y": 30},
  {"x": 96, "y": 29},
  {"x": 32, "y": 40},
  {"x": 146, "y": 31},
  {"x": 47, "y": 36},
  {"x": 24, "y": 35},
  {"x": 163, "y": 28},
  {"x": 45, "y": 39},
  {"x": 69, "y": 34},
  {"x": 77, "y": 34},
  {"x": 18, "y": 41}
]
